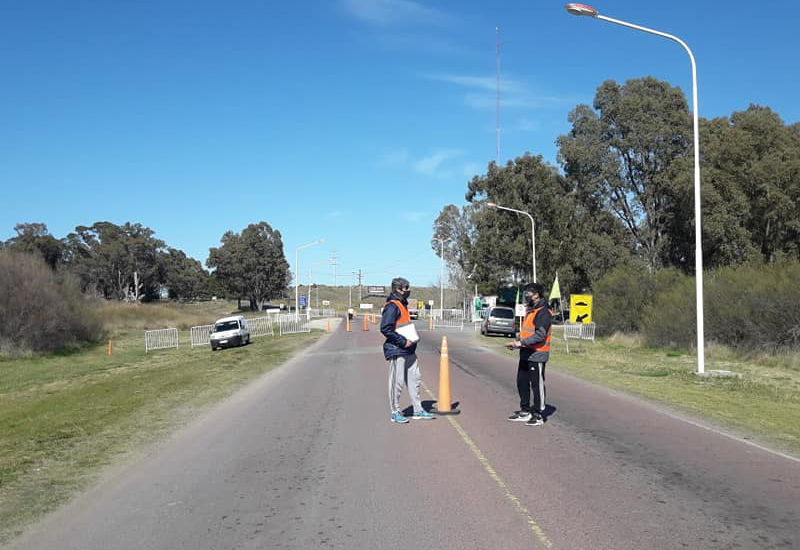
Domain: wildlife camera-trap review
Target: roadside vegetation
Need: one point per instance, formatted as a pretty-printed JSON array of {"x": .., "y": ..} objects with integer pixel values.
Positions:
[
  {"x": 66, "y": 415},
  {"x": 759, "y": 400}
]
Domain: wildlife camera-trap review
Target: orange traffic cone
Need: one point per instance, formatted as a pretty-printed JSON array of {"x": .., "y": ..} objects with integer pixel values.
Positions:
[
  {"x": 347, "y": 325},
  {"x": 443, "y": 405},
  {"x": 366, "y": 324}
]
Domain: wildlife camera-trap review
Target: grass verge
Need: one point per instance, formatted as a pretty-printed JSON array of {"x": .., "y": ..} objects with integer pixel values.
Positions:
[
  {"x": 64, "y": 417},
  {"x": 761, "y": 401}
]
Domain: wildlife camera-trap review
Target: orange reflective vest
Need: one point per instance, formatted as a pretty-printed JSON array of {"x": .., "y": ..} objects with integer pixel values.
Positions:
[
  {"x": 528, "y": 328},
  {"x": 405, "y": 318}
]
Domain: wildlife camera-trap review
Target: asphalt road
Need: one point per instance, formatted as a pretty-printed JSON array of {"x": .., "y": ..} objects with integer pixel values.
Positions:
[{"x": 306, "y": 458}]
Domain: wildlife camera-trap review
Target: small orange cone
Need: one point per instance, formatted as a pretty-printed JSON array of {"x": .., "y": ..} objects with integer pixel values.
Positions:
[
  {"x": 347, "y": 326},
  {"x": 366, "y": 324},
  {"x": 443, "y": 405}
]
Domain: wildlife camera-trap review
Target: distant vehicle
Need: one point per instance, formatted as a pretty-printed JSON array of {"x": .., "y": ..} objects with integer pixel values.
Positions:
[
  {"x": 229, "y": 332},
  {"x": 560, "y": 317},
  {"x": 413, "y": 313},
  {"x": 500, "y": 320}
]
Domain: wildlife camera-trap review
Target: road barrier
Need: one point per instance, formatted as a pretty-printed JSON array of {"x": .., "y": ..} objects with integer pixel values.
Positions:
[
  {"x": 160, "y": 339},
  {"x": 579, "y": 331},
  {"x": 291, "y": 324},
  {"x": 449, "y": 318},
  {"x": 261, "y": 326},
  {"x": 200, "y": 335}
]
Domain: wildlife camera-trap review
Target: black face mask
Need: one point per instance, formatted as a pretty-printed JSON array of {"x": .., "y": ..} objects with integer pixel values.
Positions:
[{"x": 404, "y": 293}]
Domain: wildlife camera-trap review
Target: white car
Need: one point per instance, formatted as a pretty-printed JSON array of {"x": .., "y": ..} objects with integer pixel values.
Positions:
[{"x": 230, "y": 331}]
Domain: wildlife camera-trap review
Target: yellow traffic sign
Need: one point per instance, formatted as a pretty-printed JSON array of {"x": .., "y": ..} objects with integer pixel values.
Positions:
[{"x": 580, "y": 308}]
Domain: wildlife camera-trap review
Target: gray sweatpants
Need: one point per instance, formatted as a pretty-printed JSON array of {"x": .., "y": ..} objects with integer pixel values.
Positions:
[{"x": 404, "y": 369}]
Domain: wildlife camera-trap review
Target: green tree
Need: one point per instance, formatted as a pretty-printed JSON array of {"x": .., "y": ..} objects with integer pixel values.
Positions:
[
  {"x": 251, "y": 265},
  {"x": 183, "y": 276},
  {"x": 34, "y": 238},
  {"x": 622, "y": 157},
  {"x": 110, "y": 258},
  {"x": 574, "y": 236},
  {"x": 751, "y": 176}
]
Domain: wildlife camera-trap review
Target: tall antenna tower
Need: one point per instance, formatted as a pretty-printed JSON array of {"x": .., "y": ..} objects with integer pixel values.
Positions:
[{"x": 497, "y": 111}]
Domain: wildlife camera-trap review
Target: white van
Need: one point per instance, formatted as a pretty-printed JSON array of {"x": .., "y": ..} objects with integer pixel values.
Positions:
[{"x": 230, "y": 331}]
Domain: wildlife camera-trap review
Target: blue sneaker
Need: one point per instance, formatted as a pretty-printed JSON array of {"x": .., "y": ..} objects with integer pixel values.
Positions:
[
  {"x": 399, "y": 418},
  {"x": 425, "y": 415}
]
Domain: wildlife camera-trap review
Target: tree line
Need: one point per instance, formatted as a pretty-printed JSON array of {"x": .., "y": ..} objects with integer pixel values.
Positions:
[
  {"x": 624, "y": 195},
  {"x": 127, "y": 262}
]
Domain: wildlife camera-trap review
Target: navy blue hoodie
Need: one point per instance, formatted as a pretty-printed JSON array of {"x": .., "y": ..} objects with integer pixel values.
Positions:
[{"x": 393, "y": 346}]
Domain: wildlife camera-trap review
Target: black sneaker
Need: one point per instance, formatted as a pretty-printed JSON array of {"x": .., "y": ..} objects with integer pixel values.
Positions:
[
  {"x": 520, "y": 416},
  {"x": 535, "y": 420}
]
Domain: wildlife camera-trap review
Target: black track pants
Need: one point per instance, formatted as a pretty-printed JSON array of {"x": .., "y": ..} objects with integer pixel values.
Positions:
[{"x": 530, "y": 379}]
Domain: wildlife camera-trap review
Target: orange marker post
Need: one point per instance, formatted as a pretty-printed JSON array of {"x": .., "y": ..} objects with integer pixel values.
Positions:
[
  {"x": 366, "y": 324},
  {"x": 443, "y": 405},
  {"x": 327, "y": 325},
  {"x": 347, "y": 325},
  {"x": 430, "y": 323},
  {"x": 109, "y": 347}
]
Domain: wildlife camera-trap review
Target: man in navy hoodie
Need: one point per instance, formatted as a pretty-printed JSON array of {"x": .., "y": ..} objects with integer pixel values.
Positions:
[{"x": 400, "y": 352}]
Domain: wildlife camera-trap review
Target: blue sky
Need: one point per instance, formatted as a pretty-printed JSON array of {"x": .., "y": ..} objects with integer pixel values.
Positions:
[{"x": 355, "y": 121}]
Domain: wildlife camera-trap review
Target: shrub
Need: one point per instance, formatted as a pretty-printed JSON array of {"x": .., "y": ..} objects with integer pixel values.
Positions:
[
  {"x": 41, "y": 310},
  {"x": 754, "y": 308},
  {"x": 670, "y": 318},
  {"x": 622, "y": 296}
]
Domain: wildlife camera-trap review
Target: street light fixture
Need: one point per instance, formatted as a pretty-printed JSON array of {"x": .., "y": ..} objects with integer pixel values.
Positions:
[
  {"x": 297, "y": 274},
  {"x": 533, "y": 232},
  {"x": 441, "y": 278},
  {"x": 583, "y": 9}
]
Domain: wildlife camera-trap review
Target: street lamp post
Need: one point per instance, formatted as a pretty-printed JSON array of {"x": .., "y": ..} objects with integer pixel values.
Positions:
[
  {"x": 583, "y": 9},
  {"x": 441, "y": 278},
  {"x": 297, "y": 274},
  {"x": 533, "y": 232}
]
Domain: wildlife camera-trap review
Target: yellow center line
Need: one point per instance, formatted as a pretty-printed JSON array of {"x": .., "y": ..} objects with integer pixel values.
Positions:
[{"x": 515, "y": 501}]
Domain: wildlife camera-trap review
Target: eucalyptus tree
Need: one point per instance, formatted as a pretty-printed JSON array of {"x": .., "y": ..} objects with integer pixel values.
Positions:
[
  {"x": 752, "y": 187},
  {"x": 624, "y": 157},
  {"x": 110, "y": 258},
  {"x": 252, "y": 264}
]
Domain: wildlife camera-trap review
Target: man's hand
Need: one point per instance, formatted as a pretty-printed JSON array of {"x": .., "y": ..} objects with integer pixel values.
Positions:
[
  {"x": 514, "y": 345},
  {"x": 409, "y": 343}
]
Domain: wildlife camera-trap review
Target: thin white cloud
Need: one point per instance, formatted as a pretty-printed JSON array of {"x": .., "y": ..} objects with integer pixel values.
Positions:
[
  {"x": 388, "y": 12},
  {"x": 482, "y": 92},
  {"x": 335, "y": 214},
  {"x": 432, "y": 164}
]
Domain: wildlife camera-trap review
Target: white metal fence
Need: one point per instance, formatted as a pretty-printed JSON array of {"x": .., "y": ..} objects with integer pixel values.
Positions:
[
  {"x": 579, "y": 331},
  {"x": 160, "y": 339},
  {"x": 200, "y": 335},
  {"x": 322, "y": 312},
  {"x": 261, "y": 326},
  {"x": 449, "y": 318},
  {"x": 290, "y": 324}
]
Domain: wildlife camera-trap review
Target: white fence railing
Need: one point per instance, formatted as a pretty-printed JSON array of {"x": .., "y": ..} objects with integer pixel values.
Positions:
[
  {"x": 261, "y": 326},
  {"x": 289, "y": 324},
  {"x": 449, "y": 318},
  {"x": 579, "y": 331},
  {"x": 322, "y": 312},
  {"x": 160, "y": 339},
  {"x": 200, "y": 335}
]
